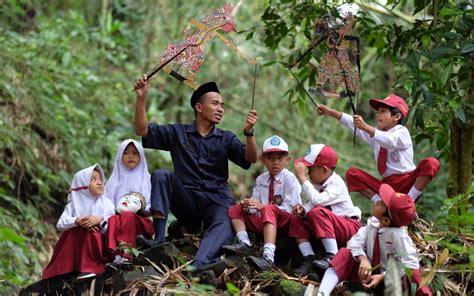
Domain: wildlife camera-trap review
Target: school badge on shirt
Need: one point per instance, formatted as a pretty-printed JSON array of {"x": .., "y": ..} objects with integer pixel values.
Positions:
[
  {"x": 395, "y": 156},
  {"x": 278, "y": 200}
]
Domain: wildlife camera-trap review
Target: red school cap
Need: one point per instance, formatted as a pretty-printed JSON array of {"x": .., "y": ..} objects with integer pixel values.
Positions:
[
  {"x": 391, "y": 100},
  {"x": 319, "y": 155},
  {"x": 401, "y": 207}
]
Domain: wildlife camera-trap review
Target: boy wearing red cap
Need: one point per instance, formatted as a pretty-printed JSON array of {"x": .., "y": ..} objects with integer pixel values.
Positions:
[
  {"x": 393, "y": 150},
  {"x": 268, "y": 211},
  {"x": 329, "y": 214},
  {"x": 366, "y": 256}
]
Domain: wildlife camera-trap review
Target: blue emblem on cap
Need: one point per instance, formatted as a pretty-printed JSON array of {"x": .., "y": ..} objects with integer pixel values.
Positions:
[
  {"x": 275, "y": 141},
  {"x": 308, "y": 151}
]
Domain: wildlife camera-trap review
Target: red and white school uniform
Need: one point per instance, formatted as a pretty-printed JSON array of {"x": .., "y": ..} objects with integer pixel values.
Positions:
[
  {"x": 277, "y": 210},
  {"x": 393, "y": 241},
  {"x": 330, "y": 212},
  {"x": 79, "y": 250},
  {"x": 124, "y": 228},
  {"x": 393, "y": 151}
]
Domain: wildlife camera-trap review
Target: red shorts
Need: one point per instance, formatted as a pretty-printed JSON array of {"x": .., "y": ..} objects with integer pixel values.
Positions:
[
  {"x": 358, "y": 180},
  {"x": 269, "y": 214},
  {"x": 324, "y": 224}
]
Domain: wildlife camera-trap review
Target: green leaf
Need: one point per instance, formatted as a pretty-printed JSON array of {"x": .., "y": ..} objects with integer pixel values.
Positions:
[
  {"x": 420, "y": 5},
  {"x": 449, "y": 12},
  {"x": 9, "y": 235},
  {"x": 467, "y": 48},
  {"x": 441, "y": 52},
  {"x": 446, "y": 73},
  {"x": 425, "y": 40}
]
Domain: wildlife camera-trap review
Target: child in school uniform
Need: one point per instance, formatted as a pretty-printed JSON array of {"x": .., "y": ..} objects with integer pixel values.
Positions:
[
  {"x": 130, "y": 174},
  {"x": 393, "y": 150},
  {"x": 81, "y": 247},
  {"x": 366, "y": 256},
  {"x": 329, "y": 215},
  {"x": 268, "y": 211}
]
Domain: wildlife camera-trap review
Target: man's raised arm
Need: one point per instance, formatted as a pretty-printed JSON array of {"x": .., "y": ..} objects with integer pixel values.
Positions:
[{"x": 141, "y": 120}]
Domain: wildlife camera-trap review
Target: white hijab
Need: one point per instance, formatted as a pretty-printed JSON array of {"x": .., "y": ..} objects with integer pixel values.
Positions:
[
  {"x": 123, "y": 180},
  {"x": 83, "y": 202}
]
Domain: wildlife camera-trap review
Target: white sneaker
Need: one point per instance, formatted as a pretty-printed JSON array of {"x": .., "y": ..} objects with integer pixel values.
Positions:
[{"x": 85, "y": 275}]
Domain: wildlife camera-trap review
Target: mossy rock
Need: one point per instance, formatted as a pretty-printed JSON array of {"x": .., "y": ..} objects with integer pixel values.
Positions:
[{"x": 287, "y": 287}]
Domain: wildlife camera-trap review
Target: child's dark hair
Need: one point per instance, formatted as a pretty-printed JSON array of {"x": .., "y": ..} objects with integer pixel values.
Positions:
[
  {"x": 387, "y": 214},
  {"x": 394, "y": 111}
]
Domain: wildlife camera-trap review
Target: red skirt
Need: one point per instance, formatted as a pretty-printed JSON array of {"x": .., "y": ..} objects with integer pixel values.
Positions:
[
  {"x": 77, "y": 250},
  {"x": 125, "y": 227}
]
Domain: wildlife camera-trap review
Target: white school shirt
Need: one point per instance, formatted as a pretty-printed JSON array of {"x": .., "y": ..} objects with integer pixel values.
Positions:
[
  {"x": 394, "y": 241},
  {"x": 285, "y": 184},
  {"x": 396, "y": 140},
  {"x": 333, "y": 193}
]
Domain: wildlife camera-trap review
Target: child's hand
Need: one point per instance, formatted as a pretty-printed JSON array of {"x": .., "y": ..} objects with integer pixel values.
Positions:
[
  {"x": 91, "y": 221},
  {"x": 373, "y": 281},
  {"x": 298, "y": 210},
  {"x": 93, "y": 229},
  {"x": 359, "y": 122},
  {"x": 79, "y": 221},
  {"x": 323, "y": 110},
  {"x": 244, "y": 204},
  {"x": 365, "y": 268},
  {"x": 254, "y": 204},
  {"x": 300, "y": 170}
]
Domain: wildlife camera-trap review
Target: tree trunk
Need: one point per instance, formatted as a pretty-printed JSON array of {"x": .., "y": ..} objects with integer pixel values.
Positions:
[{"x": 461, "y": 149}]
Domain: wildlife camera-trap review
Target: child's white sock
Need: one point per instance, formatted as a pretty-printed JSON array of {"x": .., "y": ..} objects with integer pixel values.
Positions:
[
  {"x": 329, "y": 282},
  {"x": 375, "y": 198},
  {"x": 306, "y": 249},
  {"x": 243, "y": 237},
  {"x": 269, "y": 251},
  {"x": 330, "y": 244},
  {"x": 414, "y": 193}
]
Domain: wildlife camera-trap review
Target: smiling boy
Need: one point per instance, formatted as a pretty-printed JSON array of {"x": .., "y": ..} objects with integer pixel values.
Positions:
[{"x": 393, "y": 150}]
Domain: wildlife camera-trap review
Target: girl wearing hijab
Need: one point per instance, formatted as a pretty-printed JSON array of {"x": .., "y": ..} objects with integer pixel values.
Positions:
[
  {"x": 81, "y": 247},
  {"x": 130, "y": 175}
]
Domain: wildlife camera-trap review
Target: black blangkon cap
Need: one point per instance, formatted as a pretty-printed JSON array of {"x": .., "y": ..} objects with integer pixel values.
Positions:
[{"x": 203, "y": 89}]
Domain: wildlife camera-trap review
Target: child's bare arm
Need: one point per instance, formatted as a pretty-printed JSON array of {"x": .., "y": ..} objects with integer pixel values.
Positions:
[{"x": 326, "y": 111}]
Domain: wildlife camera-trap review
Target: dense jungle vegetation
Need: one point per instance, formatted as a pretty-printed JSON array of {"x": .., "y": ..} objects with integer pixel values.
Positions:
[{"x": 66, "y": 100}]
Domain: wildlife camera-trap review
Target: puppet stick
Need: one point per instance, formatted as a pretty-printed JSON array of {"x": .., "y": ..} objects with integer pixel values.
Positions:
[
  {"x": 349, "y": 93},
  {"x": 302, "y": 86},
  {"x": 309, "y": 50},
  {"x": 254, "y": 83}
]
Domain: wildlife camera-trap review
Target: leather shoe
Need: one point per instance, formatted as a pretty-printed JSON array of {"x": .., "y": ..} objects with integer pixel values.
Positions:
[
  {"x": 260, "y": 263},
  {"x": 239, "y": 249},
  {"x": 145, "y": 243},
  {"x": 305, "y": 267},
  {"x": 323, "y": 263}
]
